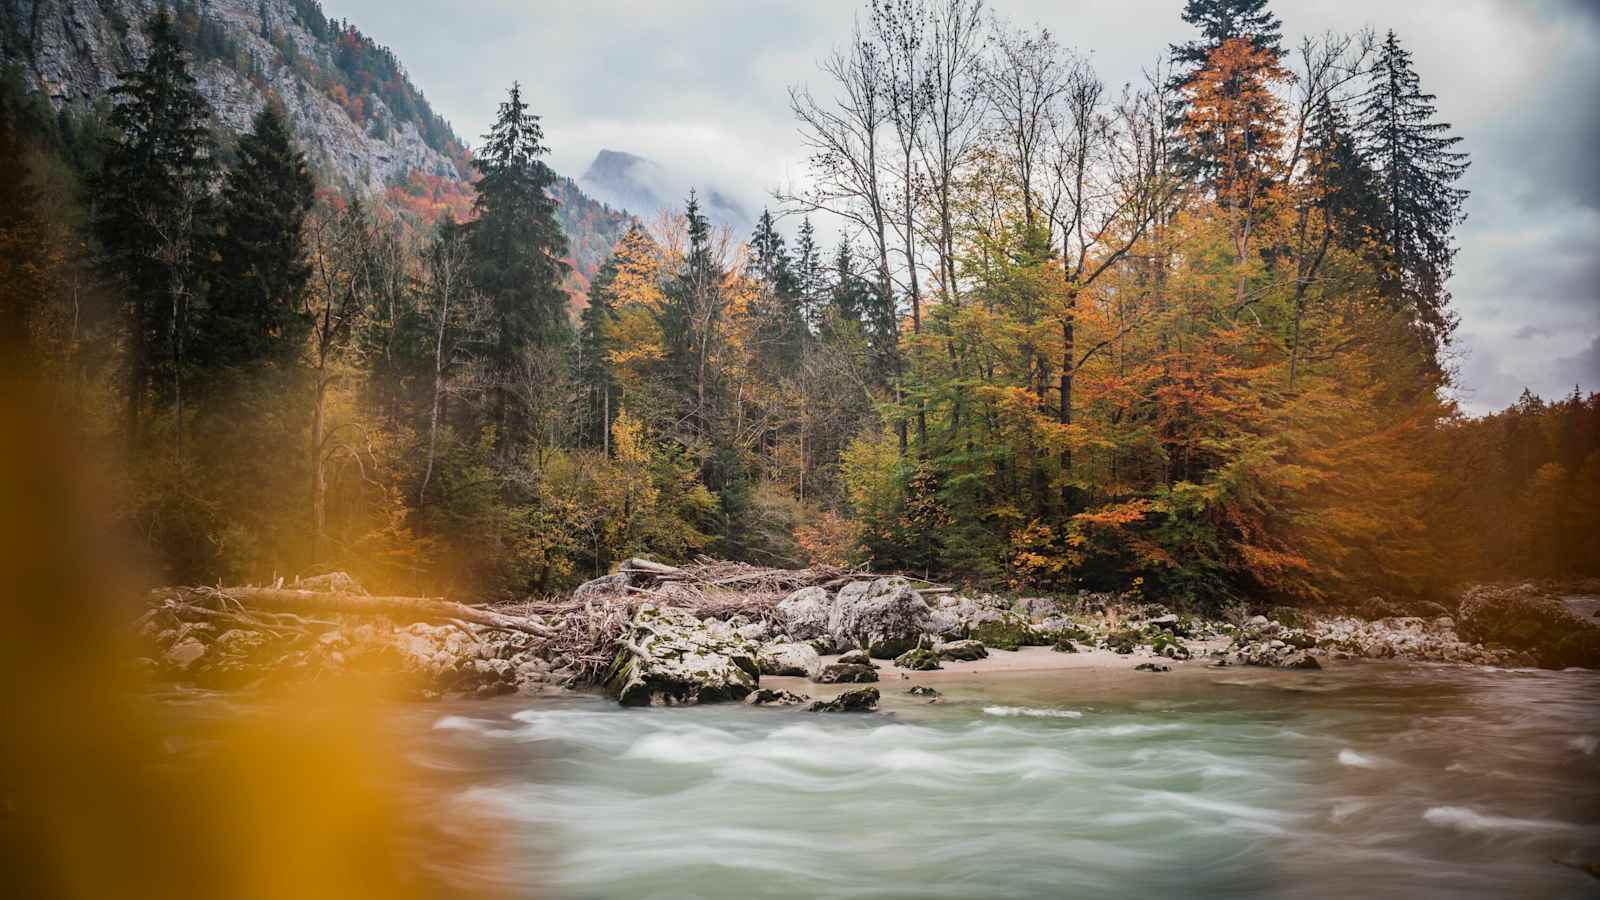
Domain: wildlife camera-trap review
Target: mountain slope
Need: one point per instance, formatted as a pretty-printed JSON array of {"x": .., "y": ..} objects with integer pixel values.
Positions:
[
  {"x": 645, "y": 187},
  {"x": 355, "y": 111}
]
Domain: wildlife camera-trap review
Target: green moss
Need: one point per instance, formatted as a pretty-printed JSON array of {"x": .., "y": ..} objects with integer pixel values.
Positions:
[
  {"x": 1003, "y": 634},
  {"x": 918, "y": 660},
  {"x": 1062, "y": 645},
  {"x": 1124, "y": 641}
]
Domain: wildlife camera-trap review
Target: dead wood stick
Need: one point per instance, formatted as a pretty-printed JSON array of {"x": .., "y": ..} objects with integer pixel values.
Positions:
[{"x": 412, "y": 609}]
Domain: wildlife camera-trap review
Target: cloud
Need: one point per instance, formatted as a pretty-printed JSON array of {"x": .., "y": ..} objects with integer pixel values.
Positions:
[{"x": 701, "y": 87}]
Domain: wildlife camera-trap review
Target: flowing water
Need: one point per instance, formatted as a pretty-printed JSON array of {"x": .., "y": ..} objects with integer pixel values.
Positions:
[{"x": 1364, "y": 781}]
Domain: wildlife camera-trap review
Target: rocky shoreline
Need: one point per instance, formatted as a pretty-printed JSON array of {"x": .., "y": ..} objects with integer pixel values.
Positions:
[{"x": 658, "y": 635}]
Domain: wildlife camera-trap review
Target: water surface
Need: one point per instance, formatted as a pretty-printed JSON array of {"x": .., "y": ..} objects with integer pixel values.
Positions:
[{"x": 1365, "y": 781}]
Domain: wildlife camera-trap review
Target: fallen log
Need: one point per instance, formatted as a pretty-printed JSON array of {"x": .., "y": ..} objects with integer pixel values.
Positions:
[{"x": 410, "y": 609}]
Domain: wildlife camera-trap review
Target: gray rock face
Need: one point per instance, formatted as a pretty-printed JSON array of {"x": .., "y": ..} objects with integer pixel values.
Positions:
[
  {"x": 789, "y": 659},
  {"x": 805, "y": 613},
  {"x": 854, "y": 700},
  {"x": 670, "y": 658},
  {"x": 963, "y": 650},
  {"x": 77, "y": 49},
  {"x": 885, "y": 618}
]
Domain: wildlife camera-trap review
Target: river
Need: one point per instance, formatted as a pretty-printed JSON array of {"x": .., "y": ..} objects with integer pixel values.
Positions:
[{"x": 1365, "y": 781}]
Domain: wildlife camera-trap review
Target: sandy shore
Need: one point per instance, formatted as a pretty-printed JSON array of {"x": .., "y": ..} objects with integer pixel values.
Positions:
[{"x": 1005, "y": 663}]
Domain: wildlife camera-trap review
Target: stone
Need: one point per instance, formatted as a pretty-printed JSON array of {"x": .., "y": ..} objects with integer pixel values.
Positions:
[
  {"x": 1523, "y": 617},
  {"x": 966, "y": 650},
  {"x": 853, "y": 700},
  {"x": 770, "y": 697},
  {"x": 670, "y": 658},
  {"x": 1301, "y": 660},
  {"x": 755, "y": 631},
  {"x": 885, "y": 617},
  {"x": 183, "y": 654},
  {"x": 846, "y": 674},
  {"x": 805, "y": 613},
  {"x": 1004, "y": 631},
  {"x": 1258, "y": 622},
  {"x": 789, "y": 659},
  {"x": 1168, "y": 622},
  {"x": 1151, "y": 667},
  {"x": 918, "y": 659},
  {"x": 854, "y": 658},
  {"x": 922, "y": 691}
]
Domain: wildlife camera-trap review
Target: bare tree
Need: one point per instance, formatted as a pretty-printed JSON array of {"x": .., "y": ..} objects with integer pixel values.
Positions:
[
  {"x": 957, "y": 106},
  {"x": 455, "y": 319}
]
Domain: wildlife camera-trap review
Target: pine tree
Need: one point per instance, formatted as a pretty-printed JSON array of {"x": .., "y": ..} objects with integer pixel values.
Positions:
[
  {"x": 518, "y": 246},
  {"x": 808, "y": 276},
  {"x": 18, "y": 231},
  {"x": 691, "y": 321},
  {"x": 1223, "y": 20},
  {"x": 1416, "y": 175},
  {"x": 153, "y": 198},
  {"x": 595, "y": 344},
  {"x": 255, "y": 305},
  {"x": 780, "y": 325}
]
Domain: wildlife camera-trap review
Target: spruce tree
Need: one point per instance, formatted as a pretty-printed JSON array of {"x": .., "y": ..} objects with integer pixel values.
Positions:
[
  {"x": 153, "y": 200},
  {"x": 255, "y": 306},
  {"x": 595, "y": 343},
  {"x": 1417, "y": 171},
  {"x": 1223, "y": 20},
  {"x": 517, "y": 245},
  {"x": 808, "y": 276},
  {"x": 690, "y": 320},
  {"x": 780, "y": 327}
]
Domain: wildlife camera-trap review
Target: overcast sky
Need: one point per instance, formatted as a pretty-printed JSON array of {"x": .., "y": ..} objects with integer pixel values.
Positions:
[{"x": 701, "y": 86}]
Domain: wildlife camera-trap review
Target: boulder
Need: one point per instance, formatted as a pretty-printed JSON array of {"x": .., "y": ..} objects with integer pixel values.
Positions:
[
  {"x": 846, "y": 674},
  {"x": 769, "y": 697},
  {"x": 1151, "y": 667},
  {"x": 919, "y": 690},
  {"x": 1301, "y": 660},
  {"x": 853, "y": 700},
  {"x": 967, "y": 650},
  {"x": 789, "y": 659},
  {"x": 606, "y": 586},
  {"x": 886, "y": 618},
  {"x": 855, "y": 658},
  {"x": 1526, "y": 618},
  {"x": 918, "y": 659},
  {"x": 1003, "y": 631},
  {"x": 805, "y": 613},
  {"x": 669, "y": 658}
]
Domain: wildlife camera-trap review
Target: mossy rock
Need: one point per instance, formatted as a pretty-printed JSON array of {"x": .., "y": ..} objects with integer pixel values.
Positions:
[
  {"x": 1289, "y": 616},
  {"x": 1124, "y": 641},
  {"x": 1169, "y": 646},
  {"x": 1010, "y": 632},
  {"x": 918, "y": 659},
  {"x": 1062, "y": 645}
]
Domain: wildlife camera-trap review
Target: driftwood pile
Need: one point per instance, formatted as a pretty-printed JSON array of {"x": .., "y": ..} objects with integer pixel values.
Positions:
[
  {"x": 576, "y": 634},
  {"x": 587, "y": 624}
]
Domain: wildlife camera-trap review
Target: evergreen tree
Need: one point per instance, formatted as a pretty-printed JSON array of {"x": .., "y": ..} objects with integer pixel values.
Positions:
[
  {"x": 255, "y": 305},
  {"x": 518, "y": 246},
  {"x": 1224, "y": 20},
  {"x": 808, "y": 276},
  {"x": 595, "y": 344},
  {"x": 780, "y": 326},
  {"x": 689, "y": 318},
  {"x": 1416, "y": 175},
  {"x": 18, "y": 228},
  {"x": 153, "y": 199}
]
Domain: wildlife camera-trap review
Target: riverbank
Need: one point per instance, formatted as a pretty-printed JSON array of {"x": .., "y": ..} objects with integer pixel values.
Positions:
[{"x": 660, "y": 635}]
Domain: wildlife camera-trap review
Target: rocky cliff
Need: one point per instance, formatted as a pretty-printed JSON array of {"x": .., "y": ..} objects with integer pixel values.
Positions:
[{"x": 244, "y": 52}]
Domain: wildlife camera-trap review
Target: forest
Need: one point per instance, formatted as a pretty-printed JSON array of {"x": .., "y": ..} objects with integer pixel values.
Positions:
[{"x": 1191, "y": 337}]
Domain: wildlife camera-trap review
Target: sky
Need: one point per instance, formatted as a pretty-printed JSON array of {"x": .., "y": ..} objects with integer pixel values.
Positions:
[{"x": 701, "y": 86}]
